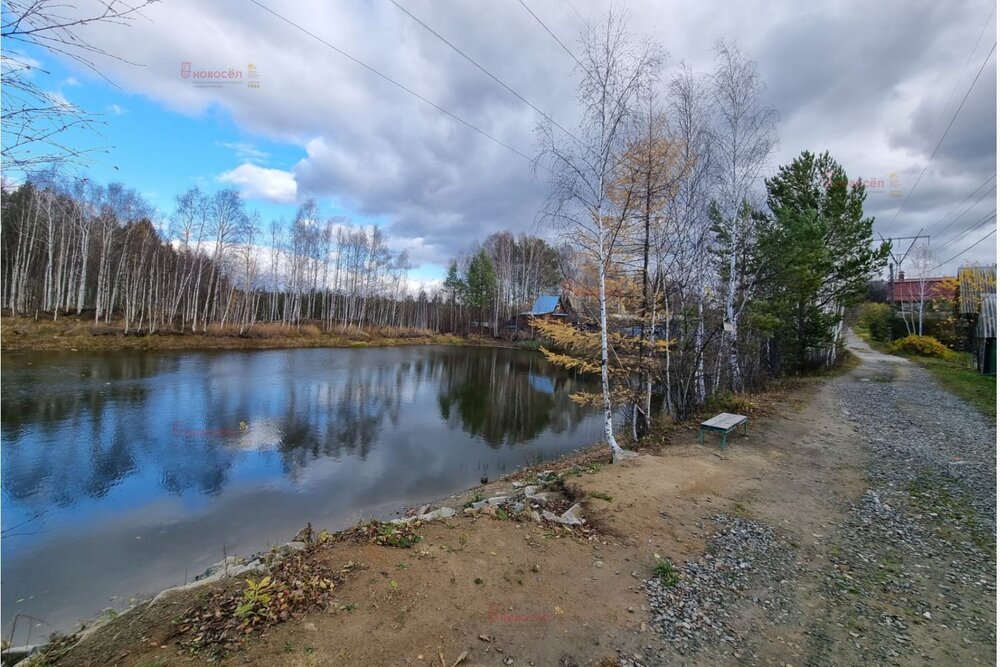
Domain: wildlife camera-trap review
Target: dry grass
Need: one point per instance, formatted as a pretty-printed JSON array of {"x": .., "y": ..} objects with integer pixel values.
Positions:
[{"x": 82, "y": 334}]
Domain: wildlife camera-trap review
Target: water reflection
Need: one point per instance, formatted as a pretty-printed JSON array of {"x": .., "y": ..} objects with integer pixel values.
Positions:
[
  {"x": 245, "y": 447},
  {"x": 515, "y": 405}
]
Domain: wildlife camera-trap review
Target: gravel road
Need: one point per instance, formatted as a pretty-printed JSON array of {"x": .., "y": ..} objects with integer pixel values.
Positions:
[{"x": 902, "y": 575}]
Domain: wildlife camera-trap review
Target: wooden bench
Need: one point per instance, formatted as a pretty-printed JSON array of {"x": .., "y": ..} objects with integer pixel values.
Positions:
[{"x": 723, "y": 423}]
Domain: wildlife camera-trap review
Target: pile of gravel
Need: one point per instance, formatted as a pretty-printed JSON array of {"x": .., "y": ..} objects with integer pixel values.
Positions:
[{"x": 742, "y": 555}]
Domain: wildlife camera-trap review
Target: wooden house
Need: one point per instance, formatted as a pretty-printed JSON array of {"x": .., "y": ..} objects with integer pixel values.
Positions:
[{"x": 547, "y": 307}]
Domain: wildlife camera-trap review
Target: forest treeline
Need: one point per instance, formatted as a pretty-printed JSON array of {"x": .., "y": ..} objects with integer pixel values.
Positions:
[{"x": 71, "y": 246}]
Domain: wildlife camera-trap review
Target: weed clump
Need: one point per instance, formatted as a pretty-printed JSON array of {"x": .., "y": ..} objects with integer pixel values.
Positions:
[
  {"x": 398, "y": 535},
  {"x": 294, "y": 585},
  {"x": 666, "y": 572}
]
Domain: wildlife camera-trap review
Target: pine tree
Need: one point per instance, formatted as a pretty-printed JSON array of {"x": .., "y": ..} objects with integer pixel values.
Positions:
[
  {"x": 480, "y": 283},
  {"x": 815, "y": 255},
  {"x": 454, "y": 285}
]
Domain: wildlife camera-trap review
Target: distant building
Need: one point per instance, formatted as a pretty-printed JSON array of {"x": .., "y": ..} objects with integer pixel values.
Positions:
[
  {"x": 907, "y": 293},
  {"x": 986, "y": 335},
  {"x": 977, "y": 300},
  {"x": 547, "y": 307},
  {"x": 973, "y": 282}
]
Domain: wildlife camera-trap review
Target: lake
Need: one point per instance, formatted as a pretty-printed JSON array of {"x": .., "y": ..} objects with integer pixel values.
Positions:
[{"x": 126, "y": 473}]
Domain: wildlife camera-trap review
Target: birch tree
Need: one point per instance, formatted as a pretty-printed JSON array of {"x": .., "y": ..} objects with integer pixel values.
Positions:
[
  {"x": 615, "y": 70},
  {"x": 744, "y": 141}
]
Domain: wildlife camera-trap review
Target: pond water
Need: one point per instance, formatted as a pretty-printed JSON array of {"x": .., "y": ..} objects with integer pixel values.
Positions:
[{"x": 126, "y": 473}]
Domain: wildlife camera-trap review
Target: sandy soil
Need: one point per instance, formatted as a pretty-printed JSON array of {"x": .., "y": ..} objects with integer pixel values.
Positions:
[{"x": 504, "y": 592}]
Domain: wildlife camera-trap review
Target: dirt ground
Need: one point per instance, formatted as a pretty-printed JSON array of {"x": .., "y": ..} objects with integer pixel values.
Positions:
[{"x": 521, "y": 593}]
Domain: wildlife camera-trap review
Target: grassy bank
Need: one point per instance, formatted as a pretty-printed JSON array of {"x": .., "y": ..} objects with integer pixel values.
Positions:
[
  {"x": 968, "y": 383},
  {"x": 81, "y": 334},
  {"x": 954, "y": 373}
]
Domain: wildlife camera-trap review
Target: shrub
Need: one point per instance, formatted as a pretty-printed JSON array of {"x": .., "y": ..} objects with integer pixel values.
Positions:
[
  {"x": 877, "y": 319},
  {"x": 923, "y": 346}
]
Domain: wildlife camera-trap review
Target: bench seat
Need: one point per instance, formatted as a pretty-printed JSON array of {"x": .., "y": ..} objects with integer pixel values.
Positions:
[{"x": 723, "y": 423}]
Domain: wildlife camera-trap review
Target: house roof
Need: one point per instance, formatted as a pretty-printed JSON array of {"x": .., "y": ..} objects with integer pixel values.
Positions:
[
  {"x": 987, "y": 325},
  {"x": 909, "y": 290},
  {"x": 544, "y": 305}
]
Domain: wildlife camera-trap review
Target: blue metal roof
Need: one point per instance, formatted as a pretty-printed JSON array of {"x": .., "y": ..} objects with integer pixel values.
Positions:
[
  {"x": 544, "y": 305},
  {"x": 540, "y": 383}
]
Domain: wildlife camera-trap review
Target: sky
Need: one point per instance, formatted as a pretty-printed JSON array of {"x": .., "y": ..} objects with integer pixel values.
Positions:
[{"x": 876, "y": 84}]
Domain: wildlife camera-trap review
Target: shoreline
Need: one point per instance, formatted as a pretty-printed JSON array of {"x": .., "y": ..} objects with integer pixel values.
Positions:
[
  {"x": 77, "y": 334},
  {"x": 494, "y": 568},
  {"x": 231, "y": 569}
]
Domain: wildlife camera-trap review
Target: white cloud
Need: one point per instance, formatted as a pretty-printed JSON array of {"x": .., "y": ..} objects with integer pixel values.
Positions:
[
  {"x": 117, "y": 110},
  {"x": 849, "y": 82},
  {"x": 414, "y": 286},
  {"x": 255, "y": 182},
  {"x": 244, "y": 151}
]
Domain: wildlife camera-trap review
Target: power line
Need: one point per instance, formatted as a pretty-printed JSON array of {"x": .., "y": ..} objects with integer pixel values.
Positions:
[
  {"x": 962, "y": 214},
  {"x": 968, "y": 59},
  {"x": 393, "y": 81},
  {"x": 969, "y": 208},
  {"x": 971, "y": 228},
  {"x": 483, "y": 69},
  {"x": 953, "y": 257},
  {"x": 946, "y": 130},
  {"x": 553, "y": 35},
  {"x": 576, "y": 12}
]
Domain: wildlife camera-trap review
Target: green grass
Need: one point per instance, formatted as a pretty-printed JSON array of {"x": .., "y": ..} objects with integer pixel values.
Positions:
[
  {"x": 967, "y": 383},
  {"x": 665, "y": 571}
]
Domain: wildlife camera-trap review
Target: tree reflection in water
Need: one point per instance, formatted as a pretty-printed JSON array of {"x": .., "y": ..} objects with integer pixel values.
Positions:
[
  {"x": 506, "y": 397},
  {"x": 77, "y": 426},
  {"x": 122, "y": 470}
]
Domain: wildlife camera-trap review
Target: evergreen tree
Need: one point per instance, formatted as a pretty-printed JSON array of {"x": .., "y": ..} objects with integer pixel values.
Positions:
[
  {"x": 454, "y": 286},
  {"x": 480, "y": 283},
  {"x": 814, "y": 256}
]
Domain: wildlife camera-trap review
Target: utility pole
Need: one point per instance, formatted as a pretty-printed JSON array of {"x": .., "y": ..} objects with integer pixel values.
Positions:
[{"x": 897, "y": 260}]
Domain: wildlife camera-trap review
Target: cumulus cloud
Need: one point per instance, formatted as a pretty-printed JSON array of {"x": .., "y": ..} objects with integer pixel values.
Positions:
[
  {"x": 865, "y": 82},
  {"x": 255, "y": 182}
]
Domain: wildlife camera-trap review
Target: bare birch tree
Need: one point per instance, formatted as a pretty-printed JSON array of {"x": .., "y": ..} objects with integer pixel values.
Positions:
[
  {"x": 744, "y": 140},
  {"x": 615, "y": 70}
]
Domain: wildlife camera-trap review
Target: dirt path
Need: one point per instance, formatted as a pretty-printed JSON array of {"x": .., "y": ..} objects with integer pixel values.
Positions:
[{"x": 838, "y": 532}]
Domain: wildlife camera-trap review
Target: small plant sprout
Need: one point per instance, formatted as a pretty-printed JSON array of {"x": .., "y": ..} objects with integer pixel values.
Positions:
[
  {"x": 665, "y": 571},
  {"x": 256, "y": 597}
]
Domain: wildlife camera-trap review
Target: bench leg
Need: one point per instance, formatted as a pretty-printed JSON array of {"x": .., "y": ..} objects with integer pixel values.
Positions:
[
  {"x": 701, "y": 436},
  {"x": 725, "y": 434},
  {"x": 746, "y": 425}
]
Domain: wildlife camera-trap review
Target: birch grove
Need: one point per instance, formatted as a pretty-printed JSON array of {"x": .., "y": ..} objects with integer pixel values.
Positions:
[
  {"x": 663, "y": 197},
  {"x": 70, "y": 246}
]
